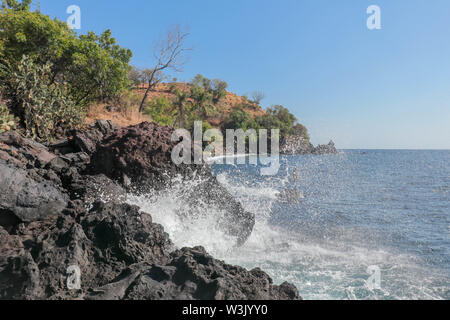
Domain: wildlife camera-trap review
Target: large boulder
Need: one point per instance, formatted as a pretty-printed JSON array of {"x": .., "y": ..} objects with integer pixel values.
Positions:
[
  {"x": 25, "y": 199},
  {"x": 296, "y": 145},
  {"x": 329, "y": 148},
  {"x": 141, "y": 157}
]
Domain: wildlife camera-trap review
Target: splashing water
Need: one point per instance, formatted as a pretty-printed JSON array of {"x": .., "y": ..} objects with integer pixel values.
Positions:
[{"x": 384, "y": 209}]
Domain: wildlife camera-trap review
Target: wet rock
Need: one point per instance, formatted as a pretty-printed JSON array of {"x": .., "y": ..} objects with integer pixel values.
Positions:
[
  {"x": 54, "y": 217},
  {"x": 192, "y": 274},
  {"x": 141, "y": 156},
  {"x": 291, "y": 195},
  {"x": 97, "y": 188}
]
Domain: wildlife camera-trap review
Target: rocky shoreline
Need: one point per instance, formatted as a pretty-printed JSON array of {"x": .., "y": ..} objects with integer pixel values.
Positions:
[
  {"x": 298, "y": 145},
  {"x": 63, "y": 206}
]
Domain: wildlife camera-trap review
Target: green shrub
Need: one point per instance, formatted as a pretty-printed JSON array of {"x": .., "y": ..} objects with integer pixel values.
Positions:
[
  {"x": 161, "y": 111},
  {"x": 93, "y": 67},
  {"x": 7, "y": 120},
  {"x": 44, "y": 107}
]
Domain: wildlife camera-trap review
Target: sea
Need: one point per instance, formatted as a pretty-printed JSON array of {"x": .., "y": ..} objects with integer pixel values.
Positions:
[{"x": 364, "y": 224}]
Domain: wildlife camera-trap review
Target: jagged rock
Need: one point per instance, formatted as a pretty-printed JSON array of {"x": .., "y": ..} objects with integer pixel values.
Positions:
[
  {"x": 19, "y": 274},
  {"x": 119, "y": 251},
  {"x": 20, "y": 151},
  {"x": 87, "y": 140},
  {"x": 143, "y": 153},
  {"x": 296, "y": 145},
  {"x": 27, "y": 199},
  {"x": 97, "y": 188},
  {"x": 192, "y": 274},
  {"x": 329, "y": 148}
]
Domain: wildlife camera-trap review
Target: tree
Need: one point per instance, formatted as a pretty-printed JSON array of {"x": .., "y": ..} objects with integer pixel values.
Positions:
[
  {"x": 16, "y": 5},
  {"x": 217, "y": 88},
  {"x": 301, "y": 131},
  {"x": 181, "y": 99},
  {"x": 91, "y": 67},
  {"x": 278, "y": 117},
  {"x": 257, "y": 97},
  {"x": 203, "y": 103},
  {"x": 169, "y": 54},
  {"x": 135, "y": 76},
  {"x": 160, "y": 110},
  {"x": 99, "y": 69}
]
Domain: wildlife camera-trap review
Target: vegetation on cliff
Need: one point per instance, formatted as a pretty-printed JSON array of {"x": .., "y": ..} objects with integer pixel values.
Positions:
[{"x": 51, "y": 79}]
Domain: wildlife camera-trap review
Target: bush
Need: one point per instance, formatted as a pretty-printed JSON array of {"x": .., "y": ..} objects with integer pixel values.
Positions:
[
  {"x": 161, "y": 111},
  {"x": 92, "y": 67},
  {"x": 7, "y": 120},
  {"x": 44, "y": 107}
]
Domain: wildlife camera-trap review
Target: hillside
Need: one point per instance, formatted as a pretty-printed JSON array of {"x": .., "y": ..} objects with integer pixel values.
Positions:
[{"x": 225, "y": 106}]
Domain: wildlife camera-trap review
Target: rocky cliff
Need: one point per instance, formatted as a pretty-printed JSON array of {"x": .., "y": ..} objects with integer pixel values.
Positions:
[{"x": 63, "y": 213}]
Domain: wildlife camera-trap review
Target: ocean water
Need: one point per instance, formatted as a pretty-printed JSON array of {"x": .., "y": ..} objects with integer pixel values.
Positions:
[{"x": 371, "y": 224}]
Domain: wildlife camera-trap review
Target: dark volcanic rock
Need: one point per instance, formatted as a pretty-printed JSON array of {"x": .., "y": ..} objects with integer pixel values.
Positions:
[
  {"x": 192, "y": 274},
  {"x": 96, "y": 188},
  {"x": 121, "y": 254},
  {"x": 142, "y": 155},
  {"x": 27, "y": 199},
  {"x": 298, "y": 145},
  {"x": 87, "y": 140},
  {"x": 326, "y": 149},
  {"x": 55, "y": 218}
]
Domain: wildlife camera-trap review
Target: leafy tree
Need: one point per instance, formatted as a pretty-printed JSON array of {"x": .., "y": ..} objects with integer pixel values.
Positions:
[
  {"x": 160, "y": 110},
  {"x": 217, "y": 88},
  {"x": 99, "y": 68},
  {"x": 91, "y": 67},
  {"x": 16, "y": 5},
  {"x": 180, "y": 103},
  {"x": 203, "y": 102},
  {"x": 240, "y": 119},
  {"x": 301, "y": 131},
  {"x": 278, "y": 117}
]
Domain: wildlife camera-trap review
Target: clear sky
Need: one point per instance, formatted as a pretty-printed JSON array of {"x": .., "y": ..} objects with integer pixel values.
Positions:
[{"x": 387, "y": 88}]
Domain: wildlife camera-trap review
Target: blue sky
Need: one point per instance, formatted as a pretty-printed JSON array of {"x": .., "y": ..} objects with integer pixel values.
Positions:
[{"x": 387, "y": 88}]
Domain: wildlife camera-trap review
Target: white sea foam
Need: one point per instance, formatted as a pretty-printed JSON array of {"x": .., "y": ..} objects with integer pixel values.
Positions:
[{"x": 321, "y": 269}]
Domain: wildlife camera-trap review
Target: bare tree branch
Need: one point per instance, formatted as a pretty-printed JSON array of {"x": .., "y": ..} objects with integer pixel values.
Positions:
[{"x": 169, "y": 53}]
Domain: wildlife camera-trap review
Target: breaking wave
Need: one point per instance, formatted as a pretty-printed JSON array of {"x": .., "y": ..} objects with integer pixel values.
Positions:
[{"x": 326, "y": 243}]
